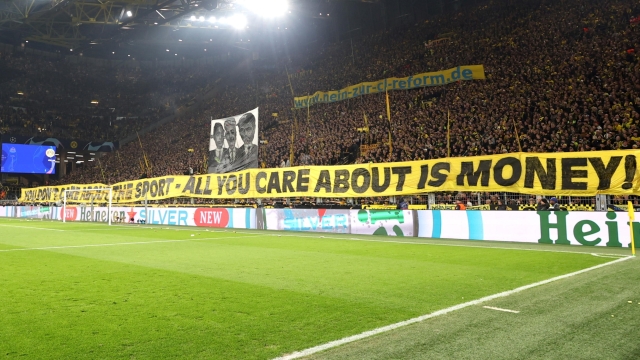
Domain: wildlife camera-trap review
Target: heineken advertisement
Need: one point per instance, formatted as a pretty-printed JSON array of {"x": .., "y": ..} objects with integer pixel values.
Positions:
[
  {"x": 544, "y": 227},
  {"x": 237, "y": 218}
]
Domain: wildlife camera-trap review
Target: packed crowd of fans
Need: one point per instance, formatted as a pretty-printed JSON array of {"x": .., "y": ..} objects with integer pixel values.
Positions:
[
  {"x": 54, "y": 97},
  {"x": 565, "y": 75}
]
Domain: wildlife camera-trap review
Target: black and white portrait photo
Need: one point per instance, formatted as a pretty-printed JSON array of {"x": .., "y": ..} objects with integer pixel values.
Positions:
[{"x": 233, "y": 144}]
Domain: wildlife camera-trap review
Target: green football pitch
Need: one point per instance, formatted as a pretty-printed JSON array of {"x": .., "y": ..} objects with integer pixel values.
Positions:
[{"x": 91, "y": 291}]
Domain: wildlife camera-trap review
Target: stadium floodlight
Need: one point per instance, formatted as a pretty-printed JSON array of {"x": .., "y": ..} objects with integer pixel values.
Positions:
[
  {"x": 238, "y": 21},
  {"x": 273, "y": 8}
]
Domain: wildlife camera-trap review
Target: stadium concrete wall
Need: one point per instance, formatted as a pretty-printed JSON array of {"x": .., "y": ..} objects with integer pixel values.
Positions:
[{"x": 568, "y": 228}]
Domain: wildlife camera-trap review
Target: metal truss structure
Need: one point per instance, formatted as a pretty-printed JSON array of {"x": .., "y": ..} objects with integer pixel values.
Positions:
[
  {"x": 77, "y": 23},
  {"x": 70, "y": 23}
]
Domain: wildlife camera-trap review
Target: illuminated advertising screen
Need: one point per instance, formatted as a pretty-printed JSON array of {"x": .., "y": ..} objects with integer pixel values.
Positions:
[{"x": 28, "y": 159}]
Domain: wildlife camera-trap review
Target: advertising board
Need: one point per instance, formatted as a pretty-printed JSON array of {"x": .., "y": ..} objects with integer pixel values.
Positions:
[
  {"x": 316, "y": 220},
  {"x": 200, "y": 217},
  {"x": 383, "y": 222},
  {"x": 609, "y": 229},
  {"x": 546, "y": 227}
]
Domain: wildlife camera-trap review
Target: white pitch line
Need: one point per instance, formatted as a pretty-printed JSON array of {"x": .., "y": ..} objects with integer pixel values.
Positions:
[
  {"x": 501, "y": 309},
  {"x": 102, "y": 229},
  {"x": 366, "y": 334},
  {"x": 29, "y": 227},
  {"x": 614, "y": 256},
  {"x": 608, "y": 255},
  {"x": 114, "y": 244}
]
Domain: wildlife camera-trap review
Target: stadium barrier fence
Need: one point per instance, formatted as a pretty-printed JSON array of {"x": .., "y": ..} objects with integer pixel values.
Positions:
[{"x": 436, "y": 201}]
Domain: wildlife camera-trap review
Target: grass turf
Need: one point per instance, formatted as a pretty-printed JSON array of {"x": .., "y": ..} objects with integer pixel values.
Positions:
[
  {"x": 114, "y": 292},
  {"x": 590, "y": 316}
]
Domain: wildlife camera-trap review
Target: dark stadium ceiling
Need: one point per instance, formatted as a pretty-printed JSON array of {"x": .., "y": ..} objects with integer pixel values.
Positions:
[
  {"x": 70, "y": 23},
  {"x": 104, "y": 27}
]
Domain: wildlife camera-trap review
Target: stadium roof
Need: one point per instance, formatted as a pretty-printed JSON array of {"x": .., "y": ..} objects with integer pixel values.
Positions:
[
  {"x": 102, "y": 28},
  {"x": 79, "y": 25}
]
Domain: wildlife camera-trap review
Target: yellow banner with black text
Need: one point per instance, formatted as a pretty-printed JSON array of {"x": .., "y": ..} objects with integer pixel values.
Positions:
[
  {"x": 436, "y": 78},
  {"x": 577, "y": 173}
]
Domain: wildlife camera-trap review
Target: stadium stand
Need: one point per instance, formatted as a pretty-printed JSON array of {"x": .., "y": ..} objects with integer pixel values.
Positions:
[
  {"x": 53, "y": 97},
  {"x": 565, "y": 75}
]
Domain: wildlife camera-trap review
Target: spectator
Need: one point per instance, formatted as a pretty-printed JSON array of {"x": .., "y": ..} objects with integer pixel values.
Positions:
[
  {"x": 402, "y": 204},
  {"x": 553, "y": 204},
  {"x": 543, "y": 205},
  {"x": 501, "y": 205}
]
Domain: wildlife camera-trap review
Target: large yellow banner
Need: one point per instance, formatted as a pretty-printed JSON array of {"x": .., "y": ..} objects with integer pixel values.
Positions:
[
  {"x": 437, "y": 78},
  {"x": 578, "y": 173}
]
